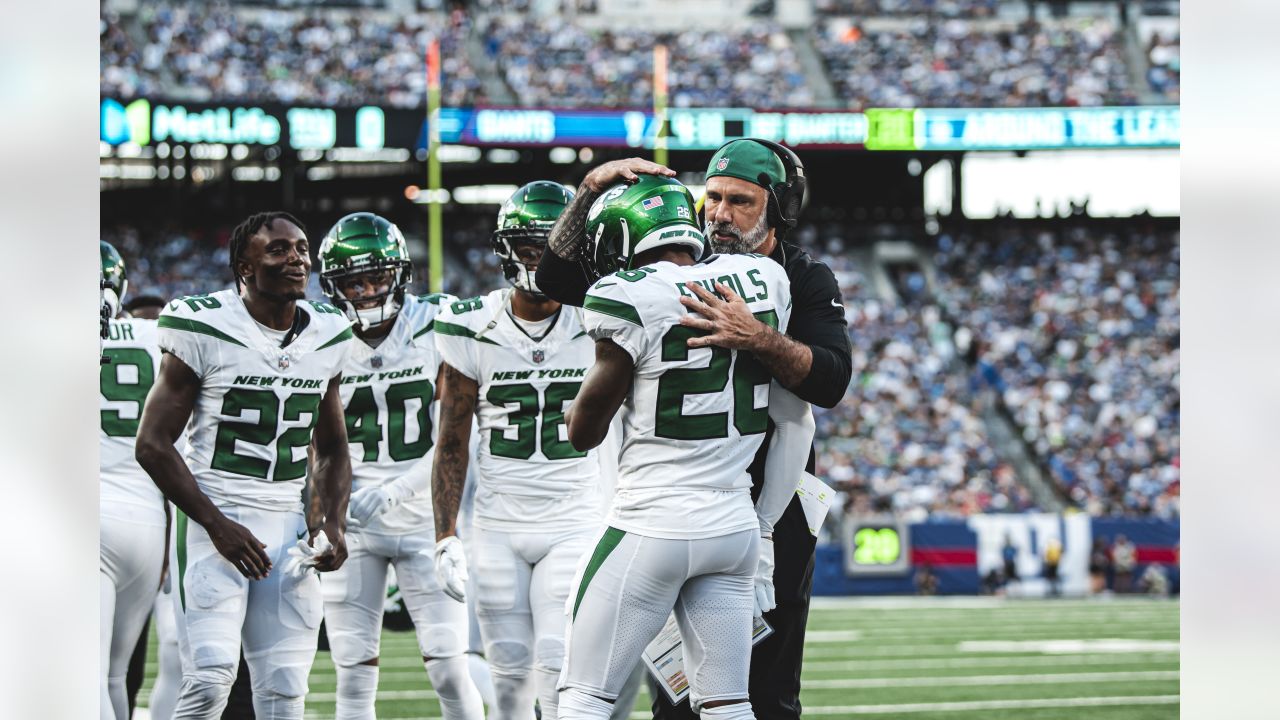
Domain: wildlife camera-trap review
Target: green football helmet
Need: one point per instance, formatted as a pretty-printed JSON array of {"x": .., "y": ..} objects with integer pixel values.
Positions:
[
  {"x": 365, "y": 243},
  {"x": 526, "y": 219},
  {"x": 115, "y": 281},
  {"x": 630, "y": 219}
]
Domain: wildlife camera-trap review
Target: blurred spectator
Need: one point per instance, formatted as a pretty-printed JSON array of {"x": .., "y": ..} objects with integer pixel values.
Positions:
[
  {"x": 1155, "y": 580},
  {"x": 1164, "y": 74},
  {"x": 550, "y": 61},
  {"x": 926, "y": 581},
  {"x": 930, "y": 62},
  {"x": 1052, "y": 557},
  {"x": 1009, "y": 556},
  {"x": 1079, "y": 333},
  {"x": 1099, "y": 566},
  {"x": 1124, "y": 557}
]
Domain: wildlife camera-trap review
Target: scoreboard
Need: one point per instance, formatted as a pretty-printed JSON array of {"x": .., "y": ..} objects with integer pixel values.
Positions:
[{"x": 877, "y": 545}]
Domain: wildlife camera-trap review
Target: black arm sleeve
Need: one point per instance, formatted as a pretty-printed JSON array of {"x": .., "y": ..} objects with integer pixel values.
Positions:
[
  {"x": 817, "y": 320},
  {"x": 562, "y": 280}
]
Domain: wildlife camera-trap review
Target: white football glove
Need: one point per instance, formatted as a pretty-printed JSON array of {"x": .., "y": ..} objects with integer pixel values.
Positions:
[
  {"x": 451, "y": 568},
  {"x": 302, "y": 556},
  {"x": 766, "y": 599},
  {"x": 370, "y": 501}
]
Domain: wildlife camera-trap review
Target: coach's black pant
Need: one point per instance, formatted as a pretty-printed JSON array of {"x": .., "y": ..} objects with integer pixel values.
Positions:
[{"x": 775, "y": 663}]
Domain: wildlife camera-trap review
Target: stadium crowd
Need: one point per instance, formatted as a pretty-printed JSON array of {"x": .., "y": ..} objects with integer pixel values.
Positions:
[
  {"x": 553, "y": 62},
  {"x": 1078, "y": 331},
  {"x": 886, "y": 53},
  {"x": 928, "y": 62},
  {"x": 945, "y": 8},
  {"x": 211, "y": 52},
  {"x": 908, "y": 438}
]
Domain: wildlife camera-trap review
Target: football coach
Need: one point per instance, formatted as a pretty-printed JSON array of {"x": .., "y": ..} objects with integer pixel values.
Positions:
[{"x": 753, "y": 198}]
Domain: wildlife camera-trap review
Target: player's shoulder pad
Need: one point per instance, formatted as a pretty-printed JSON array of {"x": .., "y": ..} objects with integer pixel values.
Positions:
[
  {"x": 469, "y": 316},
  {"x": 332, "y": 325},
  {"x": 614, "y": 295},
  {"x": 420, "y": 313},
  {"x": 203, "y": 316}
]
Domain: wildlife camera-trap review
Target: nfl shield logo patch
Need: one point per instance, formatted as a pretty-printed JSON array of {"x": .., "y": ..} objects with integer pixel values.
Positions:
[
  {"x": 539, "y": 356},
  {"x": 376, "y": 362},
  {"x": 724, "y": 163}
]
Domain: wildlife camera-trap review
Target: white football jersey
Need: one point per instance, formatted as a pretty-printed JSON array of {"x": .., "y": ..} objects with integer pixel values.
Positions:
[
  {"x": 528, "y": 473},
  {"x": 387, "y": 395},
  {"x": 132, "y": 346},
  {"x": 694, "y": 417},
  {"x": 248, "y": 435}
]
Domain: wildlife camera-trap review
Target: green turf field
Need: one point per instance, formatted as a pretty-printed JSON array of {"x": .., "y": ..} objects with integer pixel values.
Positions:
[{"x": 961, "y": 658}]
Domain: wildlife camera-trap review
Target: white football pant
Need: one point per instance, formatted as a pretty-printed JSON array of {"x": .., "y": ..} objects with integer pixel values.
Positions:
[
  {"x": 354, "y": 599},
  {"x": 522, "y": 583},
  {"x": 130, "y": 558},
  {"x": 626, "y": 590},
  {"x": 164, "y": 694},
  {"x": 276, "y": 619}
]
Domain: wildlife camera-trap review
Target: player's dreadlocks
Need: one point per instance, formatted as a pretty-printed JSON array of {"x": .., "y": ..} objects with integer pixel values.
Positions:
[{"x": 247, "y": 229}]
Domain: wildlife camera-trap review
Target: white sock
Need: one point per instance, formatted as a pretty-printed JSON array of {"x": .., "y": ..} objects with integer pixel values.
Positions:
[
  {"x": 577, "y": 705},
  {"x": 545, "y": 682},
  {"x": 357, "y": 691},
  {"x": 458, "y": 696},
  {"x": 480, "y": 675},
  {"x": 736, "y": 711}
]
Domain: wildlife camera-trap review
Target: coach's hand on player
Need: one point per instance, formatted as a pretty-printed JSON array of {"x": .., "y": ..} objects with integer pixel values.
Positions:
[
  {"x": 451, "y": 568},
  {"x": 629, "y": 170},
  {"x": 238, "y": 545},
  {"x": 728, "y": 322},
  {"x": 336, "y": 555},
  {"x": 766, "y": 596}
]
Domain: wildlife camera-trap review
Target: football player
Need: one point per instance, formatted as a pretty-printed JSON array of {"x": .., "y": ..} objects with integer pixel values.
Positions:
[
  {"x": 256, "y": 371},
  {"x": 682, "y": 532},
  {"x": 388, "y": 389},
  {"x": 514, "y": 359},
  {"x": 131, "y": 510}
]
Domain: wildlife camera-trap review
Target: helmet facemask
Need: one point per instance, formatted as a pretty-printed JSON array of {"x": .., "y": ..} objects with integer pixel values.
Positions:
[
  {"x": 381, "y": 306},
  {"x": 518, "y": 272}
]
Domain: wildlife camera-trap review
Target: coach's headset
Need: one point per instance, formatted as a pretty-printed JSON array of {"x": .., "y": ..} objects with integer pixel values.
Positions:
[{"x": 784, "y": 198}]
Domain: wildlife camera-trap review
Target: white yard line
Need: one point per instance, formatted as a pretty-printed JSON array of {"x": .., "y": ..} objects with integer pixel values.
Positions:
[
  {"x": 1093, "y": 645},
  {"x": 962, "y": 662},
  {"x": 1030, "y": 703},
  {"x": 980, "y": 680}
]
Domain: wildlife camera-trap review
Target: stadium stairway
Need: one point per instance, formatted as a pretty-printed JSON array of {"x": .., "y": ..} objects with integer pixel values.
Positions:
[
  {"x": 1135, "y": 59},
  {"x": 815, "y": 72},
  {"x": 1001, "y": 432},
  {"x": 495, "y": 87}
]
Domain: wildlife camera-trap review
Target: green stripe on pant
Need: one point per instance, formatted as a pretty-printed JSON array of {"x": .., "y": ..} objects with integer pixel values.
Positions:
[
  {"x": 612, "y": 536},
  {"x": 181, "y": 546}
]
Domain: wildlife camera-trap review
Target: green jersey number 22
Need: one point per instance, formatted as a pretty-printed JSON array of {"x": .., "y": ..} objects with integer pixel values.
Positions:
[{"x": 244, "y": 403}]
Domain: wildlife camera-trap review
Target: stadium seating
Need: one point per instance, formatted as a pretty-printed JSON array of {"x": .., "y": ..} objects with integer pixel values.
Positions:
[
  {"x": 907, "y": 439},
  {"x": 884, "y": 53},
  {"x": 936, "y": 62},
  {"x": 554, "y": 62},
  {"x": 1079, "y": 333},
  {"x": 200, "y": 52}
]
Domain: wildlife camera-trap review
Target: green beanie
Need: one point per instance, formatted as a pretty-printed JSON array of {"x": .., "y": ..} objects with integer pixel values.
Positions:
[{"x": 745, "y": 159}]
